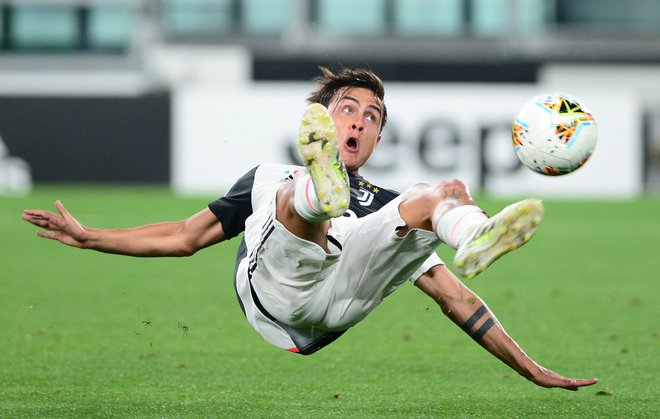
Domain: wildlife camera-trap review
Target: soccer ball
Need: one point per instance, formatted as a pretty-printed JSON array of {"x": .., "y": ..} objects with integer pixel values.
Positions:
[{"x": 554, "y": 134}]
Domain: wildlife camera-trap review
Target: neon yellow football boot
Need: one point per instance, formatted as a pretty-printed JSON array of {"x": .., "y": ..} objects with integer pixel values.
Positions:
[
  {"x": 318, "y": 148},
  {"x": 506, "y": 231}
]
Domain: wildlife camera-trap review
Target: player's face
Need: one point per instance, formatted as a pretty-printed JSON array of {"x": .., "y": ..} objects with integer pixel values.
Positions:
[{"x": 357, "y": 112}]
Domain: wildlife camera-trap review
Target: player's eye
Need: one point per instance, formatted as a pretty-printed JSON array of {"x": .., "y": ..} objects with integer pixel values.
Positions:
[{"x": 373, "y": 118}]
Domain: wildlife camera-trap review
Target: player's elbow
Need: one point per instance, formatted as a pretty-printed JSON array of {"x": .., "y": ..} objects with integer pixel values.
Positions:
[
  {"x": 187, "y": 250},
  {"x": 184, "y": 252},
  {"x": 183, "y": 248}
]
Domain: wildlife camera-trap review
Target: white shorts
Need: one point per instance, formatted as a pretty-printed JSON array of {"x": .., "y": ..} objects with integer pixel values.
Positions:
[{"x": 301, "y": 285}]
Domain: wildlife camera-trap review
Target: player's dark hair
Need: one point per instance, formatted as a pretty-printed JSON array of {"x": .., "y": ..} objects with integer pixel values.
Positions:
[{"x": 331, "y": 82}]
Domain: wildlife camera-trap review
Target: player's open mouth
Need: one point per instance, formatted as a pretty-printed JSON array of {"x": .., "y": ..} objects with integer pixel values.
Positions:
[{"x": 352, "y": 144}]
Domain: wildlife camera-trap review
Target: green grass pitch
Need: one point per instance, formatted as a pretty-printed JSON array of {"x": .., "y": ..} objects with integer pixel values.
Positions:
[{"x": 86, "y": 334}]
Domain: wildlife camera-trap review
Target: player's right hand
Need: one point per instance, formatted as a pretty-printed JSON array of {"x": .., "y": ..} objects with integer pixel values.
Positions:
[{"x": 62, "y": 227}]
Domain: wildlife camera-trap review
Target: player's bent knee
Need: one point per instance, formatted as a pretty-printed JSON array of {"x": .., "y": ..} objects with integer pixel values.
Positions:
[
  {"x": 455, "y": 190},
  {"x": 414, "y": 190},
  {"x": 418, "y": 208}
]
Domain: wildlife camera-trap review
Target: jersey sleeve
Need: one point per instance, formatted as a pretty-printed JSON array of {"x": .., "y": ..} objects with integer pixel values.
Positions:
[
  {"x": 432, "y": 261},
  {"x": 236, "y": 206}
]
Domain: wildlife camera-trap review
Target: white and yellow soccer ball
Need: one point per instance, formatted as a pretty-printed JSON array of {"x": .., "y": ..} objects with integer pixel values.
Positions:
[{"x": 554, "y": 134}]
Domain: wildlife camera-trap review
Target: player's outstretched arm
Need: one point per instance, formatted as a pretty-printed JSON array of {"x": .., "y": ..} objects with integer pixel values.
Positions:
[
  {"x": 469, "y": 312},
  {"x": 180, "y": 238}
]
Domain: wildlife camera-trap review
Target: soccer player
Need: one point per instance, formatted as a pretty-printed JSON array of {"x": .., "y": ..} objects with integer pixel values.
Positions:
[{"x": 322, "y": 246}]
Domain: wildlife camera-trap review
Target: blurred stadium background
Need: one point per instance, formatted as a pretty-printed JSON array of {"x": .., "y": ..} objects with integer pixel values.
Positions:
[{"x": 188, "y": 92}]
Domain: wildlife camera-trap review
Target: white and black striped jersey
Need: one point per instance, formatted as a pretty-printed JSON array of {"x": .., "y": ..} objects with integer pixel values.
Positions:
[
  {"x": 236, "y": 206},
  {"x": 234, "y": 209}
]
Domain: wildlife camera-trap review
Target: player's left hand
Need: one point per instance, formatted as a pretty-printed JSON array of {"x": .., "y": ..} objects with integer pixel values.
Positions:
[{"x": 550, "y": 379}]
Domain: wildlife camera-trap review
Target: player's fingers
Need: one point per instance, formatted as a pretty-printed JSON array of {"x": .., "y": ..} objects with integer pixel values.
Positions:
[
  {"x": 40, "y": 219},
  {"x": 39, "y": 222},
  {"x": 586, "y": 382},
  {"x": 574, "y": 384},
  {"x": 48, "y": 234},
  {"x": 60, "y": 208},
  {"x": 36, "y": 213},
  {"x": 60, "y": 237},
  {"x": 29, "y": 217}
]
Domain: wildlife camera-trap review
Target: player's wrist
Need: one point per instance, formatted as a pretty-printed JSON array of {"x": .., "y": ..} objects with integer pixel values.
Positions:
[
  {"x": 89, "y": 238},
  {"x": 536, "y": 374}
]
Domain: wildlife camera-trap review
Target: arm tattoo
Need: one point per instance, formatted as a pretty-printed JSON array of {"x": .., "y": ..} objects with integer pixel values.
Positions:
[
  {"x": 484, "y": 328},
  {"x": 474, "y": 318}
]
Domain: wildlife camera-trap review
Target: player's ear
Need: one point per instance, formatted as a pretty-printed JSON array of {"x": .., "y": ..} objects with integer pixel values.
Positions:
[{"x": 378, "y": 139}]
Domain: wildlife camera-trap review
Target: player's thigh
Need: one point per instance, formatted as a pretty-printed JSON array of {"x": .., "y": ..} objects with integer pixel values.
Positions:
[{"x": 374, "y": 255}]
